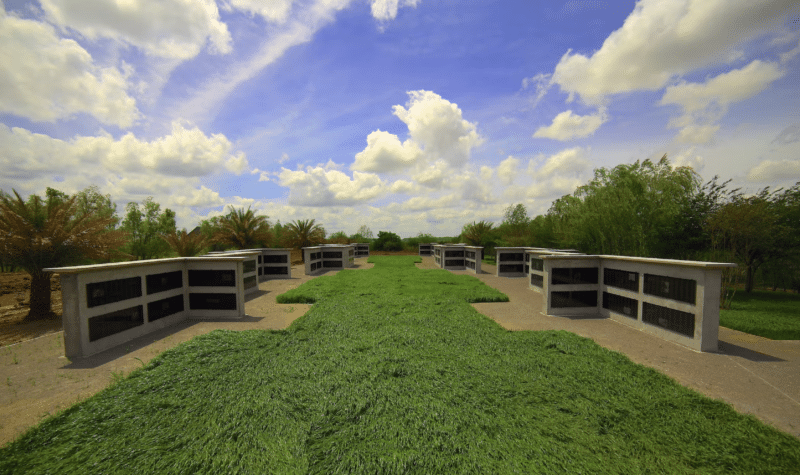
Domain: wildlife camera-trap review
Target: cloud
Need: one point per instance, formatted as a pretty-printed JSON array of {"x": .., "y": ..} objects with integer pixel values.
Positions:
[
  {"x": 432, "y": 177},
  {"x": 164, "y": 28},
  {"x": 438, "y": 138},
  {"x": 385, "y": 153},
  {"x": 567, "y": 161},
  {"x": 385, "y": 10},
  {"x": 555, "y": 187},
  {"x": 542, "y": 82},
  {"x": 507, "y": 170},
  {"x": 438, "y": 128},
  {"x": 790, "y": 134},
  {"x": 475, "y": 191},
  {"x": 186, "y": 152},
  {"x": 688, "y": 158},
  {"x": 775, "y": 170},
  {"x": 323, "y": 186},
  {"x": 46, "y": 78},
  {"x": 662, "y": 40},
  {"x": 401, "y": 187},
  {"x": 705, "y": 103},
  {"x": 276, "y": 11},
  {"x": 697, "y": 134},
  {"x": 567, "y": 125},
  {"x": 424, "y": 203},
  {"x": 486, "y": 173}
]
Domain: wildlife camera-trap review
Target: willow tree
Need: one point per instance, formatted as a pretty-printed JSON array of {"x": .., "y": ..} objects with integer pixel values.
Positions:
[
  {"x": 303, "y": 233},
  {"x": 626, "y": 210},
  {"x": 40, "y": 234},
  {"x": 243, "y": 230}
]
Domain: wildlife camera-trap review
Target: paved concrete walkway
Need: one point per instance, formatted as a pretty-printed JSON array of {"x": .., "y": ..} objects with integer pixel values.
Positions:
[{"x": 755, "y": 375}]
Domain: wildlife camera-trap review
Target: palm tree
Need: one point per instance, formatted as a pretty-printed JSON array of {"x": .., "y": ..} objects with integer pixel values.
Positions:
[
  {"x": 185, "y": 244},
  {"x": 303, "y": 233},
  {"x": 243, "y": 230},
  {"x": 479, "y": 234},
  {"x": 37, "y": 235}
]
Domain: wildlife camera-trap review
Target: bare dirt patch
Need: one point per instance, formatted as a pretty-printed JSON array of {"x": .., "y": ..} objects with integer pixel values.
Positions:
[{"x": 14, "y": 306}]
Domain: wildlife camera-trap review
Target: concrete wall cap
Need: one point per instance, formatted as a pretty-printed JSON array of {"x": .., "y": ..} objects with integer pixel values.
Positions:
[{"x": 146, "y": 262}]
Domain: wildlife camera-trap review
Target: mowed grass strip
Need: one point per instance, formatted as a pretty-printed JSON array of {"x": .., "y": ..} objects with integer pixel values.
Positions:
[
  {"x": 392, "y": 371},
  {"x": 773, "y": 315}
]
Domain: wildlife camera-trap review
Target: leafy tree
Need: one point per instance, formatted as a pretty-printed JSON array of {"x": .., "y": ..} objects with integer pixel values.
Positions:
[
  {"x": 542, "y": 232},
  {"x": 303, "y": 233},
  {"x": 146, "y": 229},
  {"x": 243, "y": 230},
  {"x": 339, "y": 237},
  {"x": 412, "y": 244},
  {"x": 46, "y": 233},
  {"x": 752, "y": 229},
  {"x": 626, "y": 210},
  {"x": 388, "y": 241},
  {"x": 90, "y": 201},
  {"x": 688, "y": 238},
  {"x": 185, "y": 244},
  {"x": 277, "y": 234},
  {"x": 208, "y": 228},
  {"x": 514, "y": 230},
  {"x": 366, "y": 232}
]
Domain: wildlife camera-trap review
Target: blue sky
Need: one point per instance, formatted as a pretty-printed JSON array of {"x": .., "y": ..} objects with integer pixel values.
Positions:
[{"x": 405, "y": 115}]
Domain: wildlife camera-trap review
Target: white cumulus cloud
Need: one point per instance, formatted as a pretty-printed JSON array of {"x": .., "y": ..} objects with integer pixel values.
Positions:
[
  {"x": 385, "y": 153},
  {"x": 165, "y": 28},
  {"x": 46, "y": 78},
  {"x": 772, "y": 170},
  {"x": 567, "y": 161},
  {"x": 567, "y": 125},
  {"x": 323, "y": 186},
  {"x": 273, "y": 10},
  {"x": 705, "y": 103},
  {"x": 186, "y": 152},
  {"x": 436, "y": 125},
  {"x": 507, "y": 170},
  {"x": 661, "y": 40},
  {"x": 385, "y": 10}
]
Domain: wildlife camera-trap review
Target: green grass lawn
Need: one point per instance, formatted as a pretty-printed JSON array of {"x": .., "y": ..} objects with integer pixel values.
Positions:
[
  {"x": 774, "y": 315},
  {"x": 392, "y": 371}
]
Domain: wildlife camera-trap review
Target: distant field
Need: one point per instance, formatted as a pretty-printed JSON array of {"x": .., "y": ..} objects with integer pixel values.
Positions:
[
  {"x": 392, "y": 371},
  {"x": 774, "y": 315}
]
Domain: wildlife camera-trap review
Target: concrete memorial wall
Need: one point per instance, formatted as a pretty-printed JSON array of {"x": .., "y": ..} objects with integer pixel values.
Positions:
[{"x": 107, "y": 305}]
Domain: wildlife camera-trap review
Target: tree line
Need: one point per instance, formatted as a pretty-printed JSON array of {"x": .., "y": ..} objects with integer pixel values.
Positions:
[
  {"x": 60, "y": 230},
  {"x": 651, "y": 209}
]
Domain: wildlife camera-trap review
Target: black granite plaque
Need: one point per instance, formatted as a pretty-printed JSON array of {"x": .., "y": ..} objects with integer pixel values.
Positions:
[
  {"x": 621, "y": 279},
  {"x": 212, "y": 278},
  {"x": 669, "y": 319},
  {"x": 164, "y": 308},
  {"x": 112, "y": 323},
  {"x": 162, "y": 282},
  {"x": 110, "y": 291},
  {"x": 624, "y": 305},
  {"x": 212, "y": 301},
  {"x": 684, "y": 290}
]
